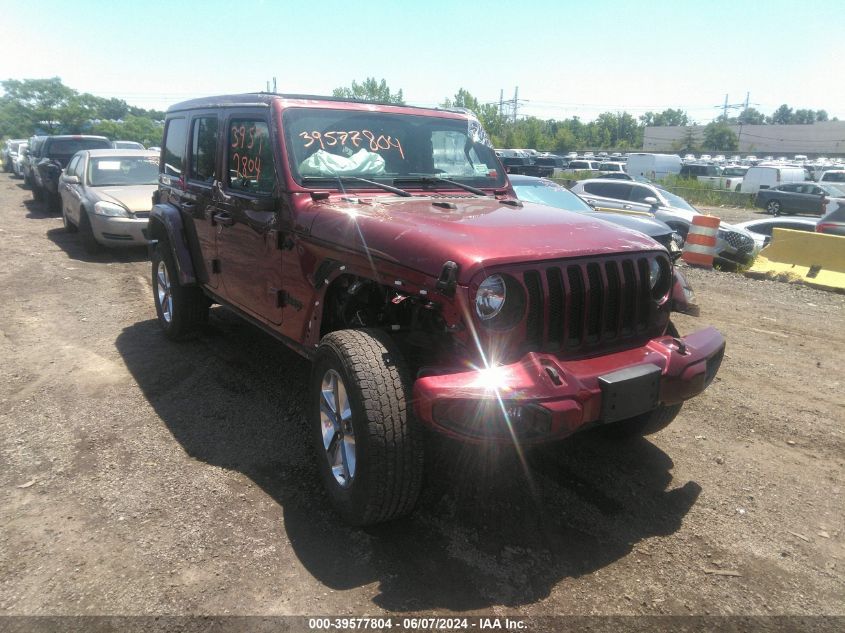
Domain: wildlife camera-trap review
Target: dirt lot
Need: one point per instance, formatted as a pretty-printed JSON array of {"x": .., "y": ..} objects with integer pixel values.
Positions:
[{"x": 145, "y": 477}]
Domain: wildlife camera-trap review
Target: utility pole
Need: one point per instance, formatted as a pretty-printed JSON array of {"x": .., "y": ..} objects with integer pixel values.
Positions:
[
  {"x": 725, "y": 111},
  {"x": 515, "y": 102},
  {"x": 501, "y": 101},
  {"x": 274, "y": 84},
  {"x": 741, "y": 121},
  {"x": 268, "y": 85}
]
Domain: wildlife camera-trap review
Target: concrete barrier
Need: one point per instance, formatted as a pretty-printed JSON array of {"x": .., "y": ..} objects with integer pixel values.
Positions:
[{"x": 815, "y": 259}]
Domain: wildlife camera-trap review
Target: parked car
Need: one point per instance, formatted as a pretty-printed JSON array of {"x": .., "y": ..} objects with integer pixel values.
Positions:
[
  {"x": 543, "y": 191},
  {"x": 525, "y": 165},
  {"x": 767, "y": 176},
  {"x": 797, "y": 197},
  {"x": 833, "y": 221},
  {"x": 761, "y": 230},
  {"x": 653, "y": 166},
  {"x": 702, "y": 172},
  {"x": 732, "y": 177},
  {"x": 127, "y": 145},
  {"x": 53, "y": 157},
  {"x": 383, "y": 262},
  {"x": 577, "y": 165},
  {"x": 611, "y": 167},
  {"x": 106, "y": 196},
  {"x": 31, "y": 157},
  {"x": 10, "y": 153},
  {"x": 733, "y": 246},
  {"x": 17, "y": 165},
  {"x": 832, "y": 175}
]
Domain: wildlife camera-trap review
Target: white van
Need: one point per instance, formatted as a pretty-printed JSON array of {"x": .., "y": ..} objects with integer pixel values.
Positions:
[
  {"x": 653, "y": 166},
  {"x": 767, "y": 176}
]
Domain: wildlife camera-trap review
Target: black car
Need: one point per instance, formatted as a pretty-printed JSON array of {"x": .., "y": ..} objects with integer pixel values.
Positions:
[
  {"x": 798, "y": 197},
  {"x": 550, "y": 193},
  {"x": 526, "y": 166},
  {"x": 53, "y": 156}
]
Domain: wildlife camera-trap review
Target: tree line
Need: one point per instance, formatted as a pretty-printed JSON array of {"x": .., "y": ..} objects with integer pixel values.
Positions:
[{"x": 46, "y": 106}]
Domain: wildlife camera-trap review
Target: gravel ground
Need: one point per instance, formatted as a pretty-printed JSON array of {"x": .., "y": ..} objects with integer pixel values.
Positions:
[{"x": 141, "y": 476}]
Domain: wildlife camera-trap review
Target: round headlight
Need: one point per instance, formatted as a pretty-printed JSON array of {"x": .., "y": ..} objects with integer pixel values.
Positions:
[
  {"x": 659, "y": 277},
  {"x": 490, "y": 298},
  {"x": 653, "y": 272}
]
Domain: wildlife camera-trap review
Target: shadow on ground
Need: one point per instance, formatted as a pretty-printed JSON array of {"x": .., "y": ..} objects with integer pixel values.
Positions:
[
  {"x": 70, "y": 244},
  {"x": 486, "y": 531}
]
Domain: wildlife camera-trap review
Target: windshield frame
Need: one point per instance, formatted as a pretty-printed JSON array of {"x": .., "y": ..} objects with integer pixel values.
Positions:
[{"x": 459, "y": 123}]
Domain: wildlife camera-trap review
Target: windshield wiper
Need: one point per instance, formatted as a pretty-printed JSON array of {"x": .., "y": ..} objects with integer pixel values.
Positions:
[
  {"x": 341, "y": 179},
  {"x": 431, "y": 180}
]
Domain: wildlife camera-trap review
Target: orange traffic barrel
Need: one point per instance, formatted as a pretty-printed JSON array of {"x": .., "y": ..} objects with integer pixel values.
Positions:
[{"x": 700, "y": 245}]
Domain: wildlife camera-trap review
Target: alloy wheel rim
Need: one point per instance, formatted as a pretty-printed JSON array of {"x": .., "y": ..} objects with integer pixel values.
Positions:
[
  {"x": 336, "y": 428},
  {"x": 165, "y": 298}
]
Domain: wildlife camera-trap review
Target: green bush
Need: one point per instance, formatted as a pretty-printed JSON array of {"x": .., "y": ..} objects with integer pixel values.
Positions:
[{"x": 703, "y": 193}]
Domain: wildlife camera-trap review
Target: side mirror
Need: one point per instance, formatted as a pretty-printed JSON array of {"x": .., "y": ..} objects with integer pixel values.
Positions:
[
  {"x": 70, "y": 180},
  {"x": 651, "y": 200}
]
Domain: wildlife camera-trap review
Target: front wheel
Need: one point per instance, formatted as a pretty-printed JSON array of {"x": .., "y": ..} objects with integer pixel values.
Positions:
[
  {"x": 70, "y": 227},
  {"x": 773, "y": 207},
  {"x": 86, "y": 234},
  {"x": 180, "y": 309},
  {"x": 369, "y": 447}
]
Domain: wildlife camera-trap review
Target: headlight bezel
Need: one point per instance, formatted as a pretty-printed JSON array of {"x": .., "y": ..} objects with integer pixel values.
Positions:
[
  {"x": 512, "y": 308},
  {"x": 111, "y": 210},
  {"x": 662, "y": 282}
]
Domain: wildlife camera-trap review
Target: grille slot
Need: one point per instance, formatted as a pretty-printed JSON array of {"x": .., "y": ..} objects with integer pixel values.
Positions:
[
  {"x": 579, "y": 305},
  {"x": 534, "y": 321}
]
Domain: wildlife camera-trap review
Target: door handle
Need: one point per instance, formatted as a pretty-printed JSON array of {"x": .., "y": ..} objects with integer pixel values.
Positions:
[
  {"x": 223, "y": 219},
  {"x": 626, "y": 206}
]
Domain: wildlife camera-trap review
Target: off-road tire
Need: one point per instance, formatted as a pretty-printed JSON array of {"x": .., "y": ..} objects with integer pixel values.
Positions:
[
  {"x": 86, "y": 235},
  {"x": 189, "y": 308},
  {"x": 388, "y": 440}
]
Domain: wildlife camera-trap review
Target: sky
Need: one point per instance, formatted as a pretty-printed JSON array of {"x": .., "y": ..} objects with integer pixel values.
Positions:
[{"x": 567, "y": 58}]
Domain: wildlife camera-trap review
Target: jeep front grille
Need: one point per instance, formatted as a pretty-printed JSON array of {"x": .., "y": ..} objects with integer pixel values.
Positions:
[{"x": 581, "y": 304}]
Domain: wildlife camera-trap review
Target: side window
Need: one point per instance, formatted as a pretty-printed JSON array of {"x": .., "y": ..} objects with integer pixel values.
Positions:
[
  {"x": 249, "y": 160},
  {"x": 80, "y": 169},
  {"x": 638, "y": 194},
  {"x": 203, "y": 149},
  {"x": 71, "y": 168},
  {"x": 174, "y": 147}
]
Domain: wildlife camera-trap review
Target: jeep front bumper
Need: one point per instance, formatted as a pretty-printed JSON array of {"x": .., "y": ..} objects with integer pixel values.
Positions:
[{"x": 545, "y": 397}]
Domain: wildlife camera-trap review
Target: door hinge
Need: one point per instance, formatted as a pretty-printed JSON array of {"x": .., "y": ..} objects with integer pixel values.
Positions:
[
  {"x": 284, "y": 298},
  {"x": 283, "y": 241}
]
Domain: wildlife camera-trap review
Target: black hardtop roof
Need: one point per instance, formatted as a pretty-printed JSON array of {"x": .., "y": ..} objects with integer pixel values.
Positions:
[{"x": 265, "y": 98}]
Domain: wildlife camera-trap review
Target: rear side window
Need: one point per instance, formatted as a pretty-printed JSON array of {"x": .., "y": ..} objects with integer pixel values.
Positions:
[
  {"x": 203, "y": 149},
  {"x": 174, "y": 147},
  {"x": 249, "y": 160},
  {"x": 615, "y": 190}
]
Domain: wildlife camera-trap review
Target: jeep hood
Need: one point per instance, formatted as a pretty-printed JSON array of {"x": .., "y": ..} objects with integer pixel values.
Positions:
[{"x": 424, "y": 232}]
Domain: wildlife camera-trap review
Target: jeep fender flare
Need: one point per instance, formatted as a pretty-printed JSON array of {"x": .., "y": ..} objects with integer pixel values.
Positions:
[{"x": 166, "y": 222}]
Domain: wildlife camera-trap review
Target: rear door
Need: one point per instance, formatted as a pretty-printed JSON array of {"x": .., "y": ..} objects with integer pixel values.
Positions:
[
  {"x": 203, "y": 174},
  {"x": 247, "y": 219},
  {"x": 608, "y": 195}
]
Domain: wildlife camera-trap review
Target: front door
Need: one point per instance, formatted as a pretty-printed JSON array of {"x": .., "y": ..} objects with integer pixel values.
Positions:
[{"x": 247, "y": 217}]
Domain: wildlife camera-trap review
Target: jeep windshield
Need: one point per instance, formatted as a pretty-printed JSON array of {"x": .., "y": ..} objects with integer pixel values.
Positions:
[{"x": 417, "y": 150}]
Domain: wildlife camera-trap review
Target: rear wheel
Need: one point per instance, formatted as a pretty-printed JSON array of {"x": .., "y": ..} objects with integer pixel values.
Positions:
[
  {"x": 774, "y": 207},
  {"x": 180, "y": 309},
  {"x": 369, "y": 447}
]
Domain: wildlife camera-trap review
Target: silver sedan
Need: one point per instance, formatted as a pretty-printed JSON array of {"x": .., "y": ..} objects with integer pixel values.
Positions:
[{"x": 107, "y": 196}]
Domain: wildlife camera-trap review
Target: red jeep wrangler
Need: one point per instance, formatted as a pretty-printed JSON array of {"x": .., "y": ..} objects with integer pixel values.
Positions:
[{"x": 385, "y": 244}]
